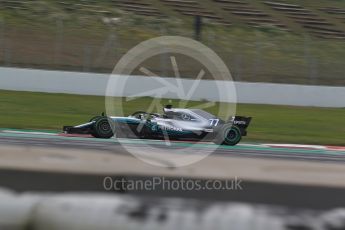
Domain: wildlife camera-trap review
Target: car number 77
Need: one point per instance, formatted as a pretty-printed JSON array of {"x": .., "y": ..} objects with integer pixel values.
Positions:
[{"x": 214, "y": 122}]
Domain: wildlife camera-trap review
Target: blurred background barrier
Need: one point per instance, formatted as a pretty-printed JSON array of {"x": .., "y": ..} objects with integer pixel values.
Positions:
[
  {"x": 96, "y": 84},
  {"x": 84, "y": 211},
  {"x": 294, "y": 42}
]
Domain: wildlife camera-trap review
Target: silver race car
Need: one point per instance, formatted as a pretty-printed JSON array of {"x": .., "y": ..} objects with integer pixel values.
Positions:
[{"x": 174, "y": 124}]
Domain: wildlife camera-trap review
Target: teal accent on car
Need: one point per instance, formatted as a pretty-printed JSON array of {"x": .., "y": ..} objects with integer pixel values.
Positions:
[{"x": 127, "y": 120}]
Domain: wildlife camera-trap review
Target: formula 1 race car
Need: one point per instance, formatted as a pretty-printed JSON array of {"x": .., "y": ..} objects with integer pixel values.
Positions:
[{"x": 174, "y": 124}]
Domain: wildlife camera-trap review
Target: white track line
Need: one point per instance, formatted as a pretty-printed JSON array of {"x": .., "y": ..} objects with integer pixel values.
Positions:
[
  {"x": 28, "y": 132},
  {"x": 297, "y": 146}
]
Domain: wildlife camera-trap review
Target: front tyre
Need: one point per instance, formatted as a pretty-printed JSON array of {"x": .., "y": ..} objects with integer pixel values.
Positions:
[
  {"x": 228, "y": 135},
  {"x": 102, "y": 128}
]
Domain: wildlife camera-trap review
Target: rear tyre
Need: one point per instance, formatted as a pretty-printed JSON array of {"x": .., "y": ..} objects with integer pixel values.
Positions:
[
  {"x": 102, "y": 128},
  {"x": 228, "y": 135}
]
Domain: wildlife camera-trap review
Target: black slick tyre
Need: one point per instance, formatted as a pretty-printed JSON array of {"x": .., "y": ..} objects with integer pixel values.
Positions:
[
  {"x": 102, "y": 128},
  {"x": 228, "y": 135}
]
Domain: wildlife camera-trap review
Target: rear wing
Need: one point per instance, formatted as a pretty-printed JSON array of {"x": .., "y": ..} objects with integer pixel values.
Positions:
[{"x": 241, "y": 121}]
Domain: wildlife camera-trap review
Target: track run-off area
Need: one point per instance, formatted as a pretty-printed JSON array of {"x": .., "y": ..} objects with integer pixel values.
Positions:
[{"x": 297, "y": 175}]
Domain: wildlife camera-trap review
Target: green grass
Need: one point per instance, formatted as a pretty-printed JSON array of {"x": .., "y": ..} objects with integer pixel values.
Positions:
[{"x": 285, "y": 124}]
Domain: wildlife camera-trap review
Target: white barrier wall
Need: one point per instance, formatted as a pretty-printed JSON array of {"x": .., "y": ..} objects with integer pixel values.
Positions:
[{"x": 95, "y": 84}]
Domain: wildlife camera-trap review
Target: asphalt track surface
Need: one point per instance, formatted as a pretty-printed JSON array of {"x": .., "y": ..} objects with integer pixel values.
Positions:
[
  {"x": 291, "y": 195},
  {"x": 114, "y": 146}
]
